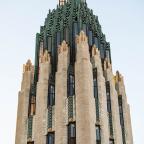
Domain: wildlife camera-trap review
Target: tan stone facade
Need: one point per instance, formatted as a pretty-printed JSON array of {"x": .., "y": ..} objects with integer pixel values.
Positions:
[{"x": 55, "y": 118}]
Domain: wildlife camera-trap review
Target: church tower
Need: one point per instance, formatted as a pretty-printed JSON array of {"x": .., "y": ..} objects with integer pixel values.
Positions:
[{"x": 70, "y": 95}]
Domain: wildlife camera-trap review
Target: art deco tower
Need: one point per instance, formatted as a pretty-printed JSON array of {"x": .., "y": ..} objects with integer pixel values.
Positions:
[{"x": 70, "y": 95}]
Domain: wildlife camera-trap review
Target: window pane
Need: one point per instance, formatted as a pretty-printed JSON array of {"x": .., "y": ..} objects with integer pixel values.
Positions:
[
  {"x": 98, "y": 133},
  {"x": 71, "y": 85},
  {"x": 50, "y": 138},
  {"x": 51, "y": 95}
]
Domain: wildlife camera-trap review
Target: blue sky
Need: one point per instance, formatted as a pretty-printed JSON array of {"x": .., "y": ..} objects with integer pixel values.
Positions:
[{"x": 122, "y": 21}]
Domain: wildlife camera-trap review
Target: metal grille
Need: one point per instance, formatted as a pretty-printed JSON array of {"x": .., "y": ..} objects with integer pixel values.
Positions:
[
  {"x": 70, "y": 107},
  {"x": 30, "y": 122},
  {"x": 49, "y": 117}
]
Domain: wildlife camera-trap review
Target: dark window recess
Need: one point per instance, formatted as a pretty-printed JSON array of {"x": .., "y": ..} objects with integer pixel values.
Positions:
[
  {"x": 72, "y": 133},
  {"x": 50, "y": 43},
  {"x": 71, "y": 85},
  {"x": 98, "y": 134},
  {"x": 73, "y": 48},
  {"x": 102, "y": 51},
  {"x": 66, "y": 35},
  {"x": 84, "y": 27},
  {"x": 90, "y": 38},
  {"x": 50, "y": 138},
  {"x": 109, "y": 107},
  {"x": 108, "y": 54},
  {"x": 58, "y": 39},
  {"x": 111, "y": 141},
  {"x": 51, "y": 95},
  {"x": 95, "y": 88},
  {"x": 96, "y": 41},
  {"x": 121, "y": 118},
  {"x": 30, "y": 142}
]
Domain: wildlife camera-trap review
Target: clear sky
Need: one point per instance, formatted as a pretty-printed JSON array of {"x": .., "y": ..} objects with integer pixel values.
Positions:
[{"x": 123, "y": 23}]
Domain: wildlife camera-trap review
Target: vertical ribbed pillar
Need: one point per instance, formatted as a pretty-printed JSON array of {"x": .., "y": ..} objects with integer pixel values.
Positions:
[
  {"x": 23, "y": 104},
  {"x": 103, "y": 121},
  {"x": 40, "y": 125},
  {"x": 120, "y": 87},
  {"x": 61, "y": 95},
  {"x": 117, "y": 133},
  {"x": 85, "y": 103}
]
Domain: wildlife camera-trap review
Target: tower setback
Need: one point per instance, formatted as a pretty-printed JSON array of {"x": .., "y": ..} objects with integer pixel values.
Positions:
[{"x": 70, "y": 95}]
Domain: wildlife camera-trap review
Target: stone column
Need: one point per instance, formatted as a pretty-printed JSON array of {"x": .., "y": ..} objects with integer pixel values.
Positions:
[
  {"x": 85, "y": 102},
  {"x": 40, "y": 121},
  {"x": 117, "y": 133},
  {"x": 23, "y": 104},
  {"x": 120, "y": 87},
  {"x": 104, "y": 123},
  {"x": 61, "y": 95}
]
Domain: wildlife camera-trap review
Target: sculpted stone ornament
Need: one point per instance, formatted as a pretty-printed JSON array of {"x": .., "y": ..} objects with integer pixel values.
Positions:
[
  {"x": 44, "y": 56},
  {"x": 28, "y": 66},
  {"x": 81, "y": 38},
  {"x": 95, "y": 51},
  {"x": 63, "y": 47},
  {"x": 118, "y": 77},
  {"x": 107, "y": 64}
]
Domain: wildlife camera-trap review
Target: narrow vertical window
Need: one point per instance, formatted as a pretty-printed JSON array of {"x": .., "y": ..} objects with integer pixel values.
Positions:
[
  {"x": 95, "y": 89},
  {"x": 98, "y": 135},
  {"x": 51, "y": 95},
  {"x": 90, "y": 38},
  {"x": 50, "y": 138},
  {"x": 121, "y": 117},
  {"x": 71, "y": 85},
  {"x": 109, "y": 109},
  {"x": 72, "y": 133}
]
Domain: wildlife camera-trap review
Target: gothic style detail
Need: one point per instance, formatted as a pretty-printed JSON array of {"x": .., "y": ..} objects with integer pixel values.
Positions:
[
  {"x": 95, "y": 51},
  {"x": 70, "y": 95},
  {"x": 28, "y": 66},
  {"x": 81, "y": 38},
  {"x": 63, "y": 47}
]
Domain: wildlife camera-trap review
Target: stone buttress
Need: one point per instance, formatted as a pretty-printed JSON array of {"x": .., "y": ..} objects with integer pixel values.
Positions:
[
  {"x": 85, "y": 103},
  {"x": 40, "y": 123},
  {"x": 61, "y": 117},
  {"x": 114, "y": 120},
  {"x": 103, "y": 115},
  {"x": 23, "y": 104},
  {"x": 124, "y": 109}
]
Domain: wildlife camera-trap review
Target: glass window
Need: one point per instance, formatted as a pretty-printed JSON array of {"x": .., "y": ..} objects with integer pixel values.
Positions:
[
  {"x": 95, "y": 82},
  {"x": 72, "y": 133},
  {"x": 50, "y": 138},
  {"x": 71, "y": 85},
  {"x": 90, "y": 38},
  {"x": 51, "y": 95},
  {"x": 98, "y": 134}
]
